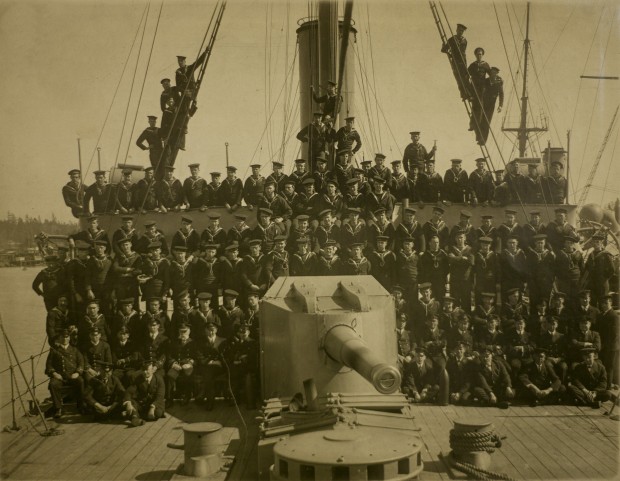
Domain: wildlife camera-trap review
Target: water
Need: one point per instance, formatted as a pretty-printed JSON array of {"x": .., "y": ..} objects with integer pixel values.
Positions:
[{"x": 23, "y": 317}]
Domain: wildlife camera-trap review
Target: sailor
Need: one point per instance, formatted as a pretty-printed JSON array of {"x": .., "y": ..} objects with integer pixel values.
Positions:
[
  {"x": 455, "y": 183},
  {"x": 541, "y": 383},
  {"x": 399, "y": 187},
  {"x": 366, "y": 164},
  {"x": 459, "y": 367},
  {"x": 303, "y": 261},
  {"x": 327, "y": 231},
  {"x": 478, "y": 71},
  {"x": 73, "y": 192},
  {"x": 253, "y": 187},
  {"x": 92, "y": 233},
  {"x": 343, "y": 170},
  {"x": 50, "y": 282},
  {"x": 330, "y": 101},
  {"x": 184, "y": 75},
  {"x": 194, "y": 188},
  {"x": 415, "y": 152},
  {"x": 406, "y": 270},
  {"x": 281, "y": 210},
  {"x": 558, "y": 229},
  {"x": 314, "y": 135},
  {"x": 420, "y": 378},
  {"x": 569, "y": 266},
  {"x": 347, "y": 135},
  {"x": 98, "y": 276},
  {"x": 465, "y": 227},
  {"x": 64, "y": 366},
  {"x": 212, "y": 196},
  {"x": 519, "y": 347},
  {"x": 481, "y": 185},
  {"x": 127, "y": 231},
  {"x": 555, "y": 343},
  {"x": 154, "y": 281},
  {"x": 383, "y": 262},
  {"x": 485, "y": 323},
  {"x": 541, "y": 270},
  {"x": 154, "y": 345},
  {"x": 145, "y": 398},
  {"x": 104, "y": 393},
  {"x": 310, "y": 202},
  {"x": 512, "y": 309},
  {"x": 146, "y": 198},
  {"x": 332, "y": 199},
  {"x": 513, "y": 185},
  {"x": 321, "y": 175},
  {"x": 486, "y": 269},
  {"x": 555, "y": 185},
  {"x": 151, "y": 234},
  {"x": 278, "y": 261},
  {"x": 266, "y": 230},
  {"x": 239, "y": 234},
  {"x": 181, "y": 271},
  {"x": 210, "y": 365},
  {"x": 492, "y": 384},
  {"x": 432, "y": 182},
  {"x": 252, "y": 271},
  {"x": 434, "y": 266},
  {"x": 382, "y": 226},
  {"x": 434, "y": 341},
  {"x": 510, "y": 227},
  {"x": 125, "y": 357},
  {"x": 231, "y": 190},
  {"x": 532, "y": 186},
  {"x": 380, "y": 170},
  {"x": 214, "y": 234},
  {"x": 422, "y": 307},
  {"x": 229, "y": 313},
  {"x": 125, "y": 193},
  {"x": 493, "y": 88},
  {"x": 182, "y": 356},
  {"x": 126, "y": 317},
  {"x": 277, "y": 176},
  {"x": 200, "y": 317},
  {"x": 57, "y": 319},
  {"x": 356, "y": 264},
  {"x": 353, "y": 230},
  {"x": 95, "y": 350},
  {"x": 242, "y": 356},
  {"x": 608, "y": 324},
  {"x": 416, "y": 182},
  {"x": 153, "y": 138},
  {"x": 461, "y": 262},
  {"x": 437, "y": 227},
  {"x": 379, "y": 199},
  {"x": 101, "y": 193},
  {"x": 532, "y": 228},
  {"x": 76, "y": 275},
  {"x": 589, "y": 381},
  {"x": 599, "y": 268},
  {"x": 167, "y": 93},
  {"x": 329, "y": 263},
  {"x": 88, "y": 322},
  {"x": 169, "y": 191},
  {"x": 513, "y": 265},
  {"x": 299, "y": 175},
  {"x": 207, "y": 271},
  {"x": 186, "y": 236},
  {"x": 127, "y": 266},
  {"x": 456, "y": 48}
]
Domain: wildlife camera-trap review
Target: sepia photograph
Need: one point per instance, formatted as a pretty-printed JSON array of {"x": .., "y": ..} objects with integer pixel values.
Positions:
[{"x": 322, "y": 240}]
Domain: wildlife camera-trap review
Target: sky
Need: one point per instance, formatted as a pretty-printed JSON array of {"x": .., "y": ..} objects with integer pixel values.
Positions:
[{"x": 63, "y": 61}]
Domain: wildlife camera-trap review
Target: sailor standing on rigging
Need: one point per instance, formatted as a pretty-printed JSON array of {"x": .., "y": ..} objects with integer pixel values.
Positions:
[
  {"x": 456, "y": 47},
  {"x": 328, "y": 100},
  {"x": 478, "y": 71},
  {"x": 493, "y": 88}
]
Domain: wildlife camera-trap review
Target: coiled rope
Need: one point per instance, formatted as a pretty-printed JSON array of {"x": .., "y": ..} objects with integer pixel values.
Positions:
[{"x": 469, "y": 441}]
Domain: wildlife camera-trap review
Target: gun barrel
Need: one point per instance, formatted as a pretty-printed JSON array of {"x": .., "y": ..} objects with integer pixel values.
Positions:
[{"x": 344, "y": 345}]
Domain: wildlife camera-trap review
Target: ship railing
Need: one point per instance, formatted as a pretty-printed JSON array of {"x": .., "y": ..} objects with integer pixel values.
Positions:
[{"x": 17, "y": 374}]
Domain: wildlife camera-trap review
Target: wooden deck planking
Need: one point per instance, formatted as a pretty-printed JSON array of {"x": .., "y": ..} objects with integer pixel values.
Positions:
[
  {"x": 574, "y": 448},
  {"x": 555, "y": 442},
  {"x": 538, "y": 427},
  {"x": 432, "y": 444},
  {"x": 532, "y": 443}
]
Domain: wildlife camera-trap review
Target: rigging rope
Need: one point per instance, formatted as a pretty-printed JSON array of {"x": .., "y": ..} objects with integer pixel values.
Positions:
[
  {"x": 105, "y": 121},
  {"x": 581, "y": 83},
  {"x": 374, "y": 80},
  {"x": 613, "y": 152}
]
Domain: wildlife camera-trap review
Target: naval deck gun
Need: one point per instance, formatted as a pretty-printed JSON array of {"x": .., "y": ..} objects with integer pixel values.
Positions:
[{"x": 339, "y": 331}]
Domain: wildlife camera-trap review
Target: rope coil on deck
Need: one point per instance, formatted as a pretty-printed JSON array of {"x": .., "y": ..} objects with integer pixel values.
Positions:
[{"x": 470, "y": 441}]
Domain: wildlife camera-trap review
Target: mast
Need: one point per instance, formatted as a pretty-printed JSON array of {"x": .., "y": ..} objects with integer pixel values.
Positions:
[
  {"x": 523, "y": 125},
  {"x": 523, "y": 130}
]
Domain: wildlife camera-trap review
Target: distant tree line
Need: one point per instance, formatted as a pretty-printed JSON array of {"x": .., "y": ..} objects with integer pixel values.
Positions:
[{"x": 23, "y": 229}]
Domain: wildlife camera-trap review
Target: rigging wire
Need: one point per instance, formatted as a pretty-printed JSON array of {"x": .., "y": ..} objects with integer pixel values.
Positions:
[
  {"x": 374, "y": 80},
  {"x": 581, "y": 83},
  {"x": 557, "y": 40},
  {"x": 594, "y": 103},
  {"x": 613, "y": 152},
  {"x": 107, "y": 116}
]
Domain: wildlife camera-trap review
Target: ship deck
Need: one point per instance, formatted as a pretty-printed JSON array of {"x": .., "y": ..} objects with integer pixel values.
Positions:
[{"x": 547, "y": 442}]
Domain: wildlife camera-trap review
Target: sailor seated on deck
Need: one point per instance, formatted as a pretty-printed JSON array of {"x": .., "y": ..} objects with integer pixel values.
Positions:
[
  {"x": 492, "y": 385},
  {"x": 541, "y": 383},
  {"x": 64, "y": 366},
  {"x": 589, "y": 381},
  {"x": 144, "y": 399},
  {"x": 420, "y": 378},
  {"x": 104, "y": 393}
]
